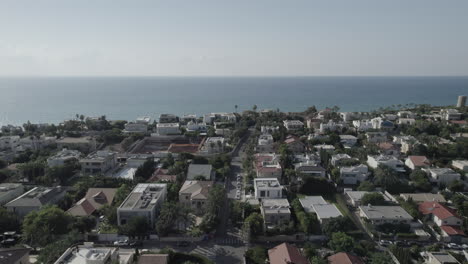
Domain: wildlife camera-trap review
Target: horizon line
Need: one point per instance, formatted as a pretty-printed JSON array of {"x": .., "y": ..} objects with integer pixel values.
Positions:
[{"x": 229, "y": 76}]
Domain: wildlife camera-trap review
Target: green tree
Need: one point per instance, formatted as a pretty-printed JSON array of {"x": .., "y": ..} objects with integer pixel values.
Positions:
[
  {"x": 420, "y": 181},
  {"x": 137, "y": 226},
  {"x": 318, "y": 260},
  {"x": 366, "y": 186},
  {"x": 145, "y": 171},
  {"x": 257, "y": 255},
  {"x": 373, "y": 198},
  {"x": 8, "y": 221},
  {"x": 44, "y": 226},
  {"x": 51, "y": 252},
  {"x": 387, "y": 178},
  {"x": 255, "y": 222},
  {"x": 337, "y": 224},
  {"x": 340, "y": 242}
]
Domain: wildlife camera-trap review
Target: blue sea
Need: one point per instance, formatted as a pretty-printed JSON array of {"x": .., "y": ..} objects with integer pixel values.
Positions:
[{"x": 53, "y": 99}]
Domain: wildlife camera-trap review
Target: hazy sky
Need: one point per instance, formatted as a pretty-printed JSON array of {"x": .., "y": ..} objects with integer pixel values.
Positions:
[{"x": 236, "y": 37}]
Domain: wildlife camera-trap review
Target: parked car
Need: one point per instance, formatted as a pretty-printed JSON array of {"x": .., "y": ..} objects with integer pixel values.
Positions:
[
  {"x": 123, "y": 242},
  {"x": 454, "y": 246},
  {"x": 385, "y": 243},
  {"x": 137, "y": 243}
]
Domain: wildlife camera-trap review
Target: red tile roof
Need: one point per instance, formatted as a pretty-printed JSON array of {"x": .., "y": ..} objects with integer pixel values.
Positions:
[
  {"x": 162, "y": 175},
  {"x": 286, "y": 254},
  {"x": 459, "y": 122},
  {"x": 259, "y": 163},
  {"x": 344, "y": 258},
  {"x": 419, "y": 161},
  {"x": 437, "y": 209},
  {"x": 452, "y": 230},
  {"x": 387, "y": 146}
]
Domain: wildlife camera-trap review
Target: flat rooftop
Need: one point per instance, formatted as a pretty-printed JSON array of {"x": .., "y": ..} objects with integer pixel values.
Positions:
[
  {"x": 266, "y": 182},
  {"x": 144, "y": 195}
]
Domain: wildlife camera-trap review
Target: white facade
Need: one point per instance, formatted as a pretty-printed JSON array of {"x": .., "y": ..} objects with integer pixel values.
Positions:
[
  {"x": 406, "y": 121},
  {"x": 348, "y": 140},
  {"x": 268, "y": 188},
  {"x": 219, "y": 117},
  {"x": 63, "y": 157},
  {"x": 89, "y": 254},
  {"x": 265, "y": 143},
  {"x": 332, "y": 126},
  {"x": 36, "y": 143},
  {"x": 389, "y": 161},
  {"x": 168, "y": 128},
  {"x": 451, "y": 114},
  {"x": 193, "y": 126},
  {"x": 354, "y": 175},
  {"x": 292, "y": 125},
  {"x": 362, "y": 125},
  {"x": 337, "y": 158},
  {"x": 268, "y": 129},
  {"x": 9, "y": 143},
  {"x": 443, "y": 176},
  {"x": 376, "y": 137},
  {"x": 379, "y": 215},
  {"x": 144, "y": 200},
  {"x": 275, "y": 212},
  {"x": 460, "y": 164},
  {"x": 213, "y": 145},
  {"x": 99, "y": 162}
]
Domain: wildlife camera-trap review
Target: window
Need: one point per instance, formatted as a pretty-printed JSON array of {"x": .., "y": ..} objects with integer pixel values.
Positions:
[{"x": 262, "y": 193}]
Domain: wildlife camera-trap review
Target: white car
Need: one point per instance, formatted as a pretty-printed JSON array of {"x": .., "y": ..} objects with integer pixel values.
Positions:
[
  {"x": 123, "y": 242},
  {"x": 453, "y": 246},
  {"x": 385, "y": 243}
]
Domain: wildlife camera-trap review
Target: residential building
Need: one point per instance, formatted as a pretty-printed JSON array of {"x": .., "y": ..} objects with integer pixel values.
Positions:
[
  {"x": 94, "y": 200},
  {"x": 310, "y": 168},
  {"x": 9, "y": 191},
  {"x": 286, "y": 254},
  {"x": 14, "y": 255},
  {"x": 389, "y": 148},
  {"x": 379, "y": 123},
  {"x": 63, "y": 157},
  {"x": 332, "y": 126},
  {"x": 83, "y": 144},
  {"x": 317, "y": 205},
  {"x": 354, "y": 175},
  {"x": 267, "y": 166},
  {"x": 344, "y": 258},
  {"x": 415, "y": 162},
  {"x": 451, "y": 114},
  {"x": 338, "y": 159},
  {"x": 348, "y": 140},
  {"x": 144, "y": 200},
  {"x": 90, "y": 254},
  {"x": 168, "y": 118},
  {"x": 268, "y": 188},
  {"x": 213, "y": 145},
  {"x": 354, "y": 197},
  {"x": 460, "y": 164},
  {"x": 269, "y": 129},
  {"x": 265, "y": 143},
  {"x": 194, "y": 195},
  {"x": 313, "y": 123},
  {"x": 293, "y": 125},
  {"x": 389, "y": 161},
  {"x": 168, "y": 129},
  {"x": 162, "y": 175},
  {"x": 196, "y": 127},
  {"x": 9, "y": 142},
  {"x": 423, "y": 197},
  {"x": 324, "y": 147},
  {"x": 294, "y": 144},
  {"x": 439, "y": 258},
  {"x": 35, "y": 199},
  {"x": 98, "y": 162},
  {"x": 446, "y": 219},
  {"x": 376, "y": 137},
  {"x": 275, "y": 212},
  {"x": 444, "y": 176},
  {"x": 205, "y": 170},
  {"x": 136, "y": 127},
  {"x": 188, "y": 118},
  {"x": 219, "y": 117},
  {"x": 406, "y": 121},
  {"x": 36, "y": 143},
  {"x": 379, "y": 215},
  {"x": 349, "y": 116},
  {"x": 406, "y": 114},
  {"x": 362, "y": 125},
  {"x": 143, "y": 120}
]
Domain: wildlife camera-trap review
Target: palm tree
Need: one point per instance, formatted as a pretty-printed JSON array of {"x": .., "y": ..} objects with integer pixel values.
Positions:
[
  {"x": 236, "y": 106},
  {"x": 254, "y": 108}
]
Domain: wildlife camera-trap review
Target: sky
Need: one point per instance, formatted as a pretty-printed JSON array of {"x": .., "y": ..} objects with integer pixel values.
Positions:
[{"x": 233, "y": 38}]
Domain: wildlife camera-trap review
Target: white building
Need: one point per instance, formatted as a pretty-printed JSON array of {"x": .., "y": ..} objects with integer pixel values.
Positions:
[
  {"x": 143, "y": 120},
  {"x": 188, "y": 118},
  {"x": 348, "y": 140},
  {"x": 389, "y": 161},
  {"x": 63, "y": 157},
  {"x": 144, "y": 200},
  {"x": 376, "y": 137},
  {"x": 317, "y": 205},
  {"x": 354, "y": 197},
  {"x": 439, "y": 258},
  {"x": 293, "y": 125},
  {"x": 362, "y": 125},
  {"x": 9, "y": 191},
  {"x": 443, "y": 176},
  {"x": 275, "y": 212},
  {"x": 354, "y": 174},
  {"x": 337, "y": 159},
  {"x": 219, "y": 117},
  {"x": 36, "y": 143},
  {"x": 406, "y": 114},
  {"x": 83, "y": 144},
  {"x": 406, "y": 121},
  {"x": 324, "y": 147},
  {"x": 9, "y": 143},
  {"x": 136, "y": 127},
  {"x": 310, "y": 168},
  {"x": 332, "y": 126},
  {"x": 451, "y": 114},
  {"x": 98, "y": 162},
  {"x": 168, "y": 128},
  {"x": 267, "y": 166},
  {"x": 379, "y": 215},
  {"x": 269, "y": 129},
  {"x": 89, "y": 254},
  {"x": 406, "y": 143},
  {"x": 213, "y": 145},
  {"x": 194, "y": 127},
  {"x": 268, "y": 188},
  {"x": 460, "y": 164},
  {"x": 168, "y": 118},
  {"x": 265, "y": 143},
  {"x": 414, "y": 162}
]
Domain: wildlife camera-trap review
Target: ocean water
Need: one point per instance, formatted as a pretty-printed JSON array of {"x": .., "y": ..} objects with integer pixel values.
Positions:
[{"x": 54, "y": 99}]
